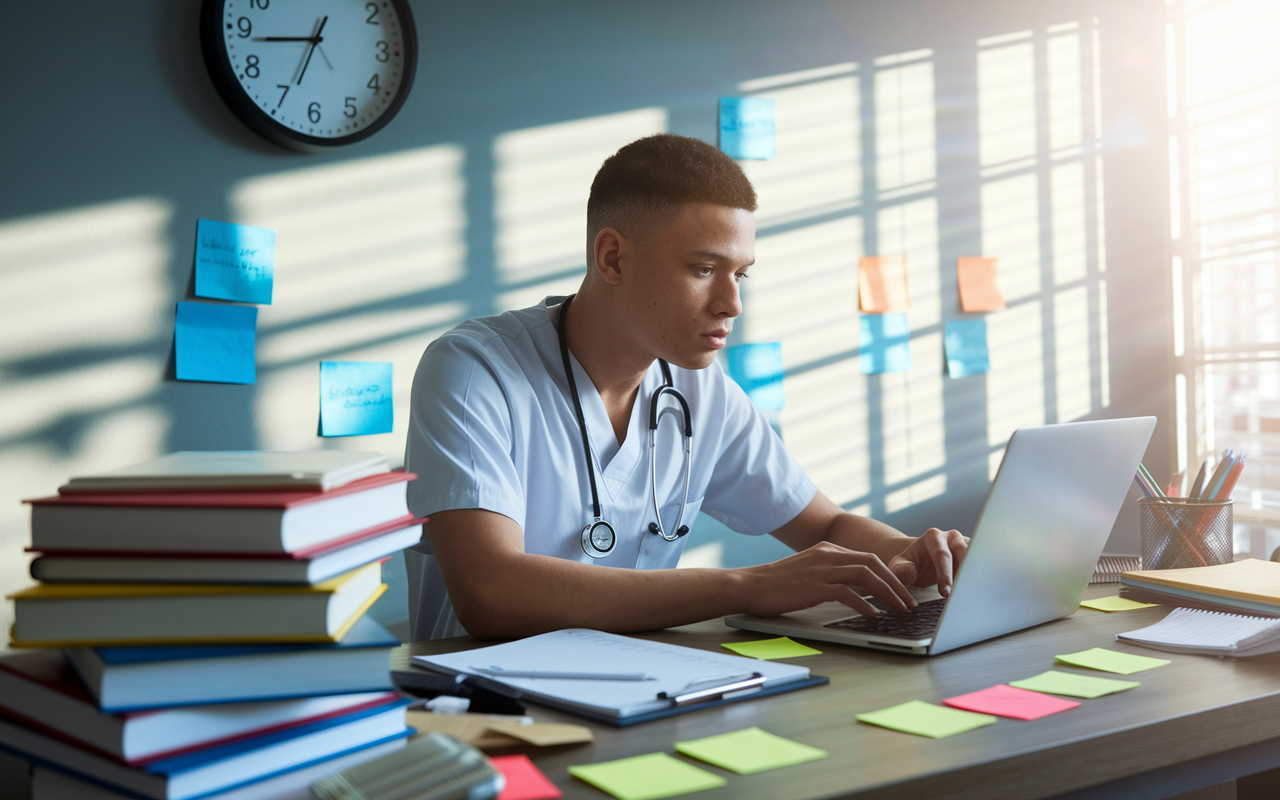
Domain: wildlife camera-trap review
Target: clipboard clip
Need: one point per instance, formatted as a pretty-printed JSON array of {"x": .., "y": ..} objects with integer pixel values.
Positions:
[{"x": 690, "y": 695}]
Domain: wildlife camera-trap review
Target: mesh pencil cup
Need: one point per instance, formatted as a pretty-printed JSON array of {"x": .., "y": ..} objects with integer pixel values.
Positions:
[{"x": 1177, "y": 532}]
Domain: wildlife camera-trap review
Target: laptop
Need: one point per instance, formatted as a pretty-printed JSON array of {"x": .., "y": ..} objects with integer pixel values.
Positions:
[{"x": 1042, "y": 528}]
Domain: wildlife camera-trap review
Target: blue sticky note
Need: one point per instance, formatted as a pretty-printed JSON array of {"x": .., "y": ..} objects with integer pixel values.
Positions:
[
  {"x": 235, "y": 262},
  {"x": 886, "y": 344},
  {"x": 214, "y": 342},
  {"x": 966, "y": 346},
  {"x": 747, "y": 128},
  {"x": 355, "y": 398},
  {"x": 758, "y": 370}
]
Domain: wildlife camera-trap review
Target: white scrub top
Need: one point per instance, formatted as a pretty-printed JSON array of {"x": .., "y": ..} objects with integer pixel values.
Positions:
[{"x": 493, "y": 427}]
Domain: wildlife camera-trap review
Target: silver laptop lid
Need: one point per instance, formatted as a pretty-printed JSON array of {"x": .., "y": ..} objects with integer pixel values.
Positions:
[{"x": 1043, "y": 526}]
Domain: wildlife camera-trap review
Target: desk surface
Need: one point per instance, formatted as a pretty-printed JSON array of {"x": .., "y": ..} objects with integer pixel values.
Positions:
[{"x": 1193, "y": 707}]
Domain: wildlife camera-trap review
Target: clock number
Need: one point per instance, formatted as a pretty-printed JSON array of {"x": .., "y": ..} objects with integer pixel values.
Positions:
[
  {"x": 245, "y": 26},
  {"x": 373, "y": 83},
  {"x": 284, "y": 86},
  {"x": 349, "y": 110},
  {"x": 313, "y": 112},
  {"x": 382, "y": 52},
  {"x": 251, "y": 67},
  {"x": 262, "y": 4},
  {"x": 373, "y": 13}
]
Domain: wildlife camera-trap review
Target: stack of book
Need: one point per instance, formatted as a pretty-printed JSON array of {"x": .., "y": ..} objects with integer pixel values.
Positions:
[
  {"x": 1249, "y": 586},
  {"x": 199, "y": 628}
]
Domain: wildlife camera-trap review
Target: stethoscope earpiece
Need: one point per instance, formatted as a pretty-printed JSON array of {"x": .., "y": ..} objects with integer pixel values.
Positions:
[{"x": 598, "y": 537}]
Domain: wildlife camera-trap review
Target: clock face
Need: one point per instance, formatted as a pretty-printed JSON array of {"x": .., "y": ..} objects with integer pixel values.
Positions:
[{"x": 311, "y": 72}]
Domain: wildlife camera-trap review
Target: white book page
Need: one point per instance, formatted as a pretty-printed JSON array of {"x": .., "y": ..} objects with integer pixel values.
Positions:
[{"x": 673, "y": 668}]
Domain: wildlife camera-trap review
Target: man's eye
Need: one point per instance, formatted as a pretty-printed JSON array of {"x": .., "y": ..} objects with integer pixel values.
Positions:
[{"x": 706, "y": 270}]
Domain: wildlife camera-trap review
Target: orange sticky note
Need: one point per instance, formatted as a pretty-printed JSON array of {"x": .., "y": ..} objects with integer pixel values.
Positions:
[
  {"x": 978, "y": 288},
  {"x": 882, "y": 284}
]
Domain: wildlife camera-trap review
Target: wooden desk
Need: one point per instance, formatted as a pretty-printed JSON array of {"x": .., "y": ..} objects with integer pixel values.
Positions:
[{"x": 1192, "y": 723}]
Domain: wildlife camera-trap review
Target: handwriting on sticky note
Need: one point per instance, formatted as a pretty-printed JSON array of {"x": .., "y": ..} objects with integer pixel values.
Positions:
[
  {"x": 355, "y": 398},
  {"x": 757, "y": 368},
  {"x": 926, "y": 719},
  {"x": 1111, "y": 661},
  {"x": 1115, "y": 603},
  {"x": 747, "y": 127},
  {"x": 882, "y": 284},
  {"x": 647, "y": 777},
  {"x": 885, "y": 344},
  {"x": 979, "y": 289},
  {"x": 749, "y": 750},
  {"x": 235, "y": 262},
  {"x": 214, "y": 342},
  {"x": 1010, "y": 701},
  {"x": 770, "y": 649},
  {"x": 965, "y": 342},
  {"x": 524, "y": 780},
  {"x": 1087, "y": 686}
]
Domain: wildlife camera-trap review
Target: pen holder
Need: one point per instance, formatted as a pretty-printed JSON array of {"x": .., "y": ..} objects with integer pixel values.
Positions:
[{"x": 1177, "y": 532}]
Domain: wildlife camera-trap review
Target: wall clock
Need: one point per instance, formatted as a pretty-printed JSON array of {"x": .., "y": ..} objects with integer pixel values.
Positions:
[{"x": 311, "y": 74}]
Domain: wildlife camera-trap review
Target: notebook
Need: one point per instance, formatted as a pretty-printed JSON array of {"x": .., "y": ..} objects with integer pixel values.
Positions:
[
  {"x": 1250, "y": 585},
  {"x": 1196, "y": 631},
  {"x": 235, "y": 469},
  {"x": 673, "y": 670}
]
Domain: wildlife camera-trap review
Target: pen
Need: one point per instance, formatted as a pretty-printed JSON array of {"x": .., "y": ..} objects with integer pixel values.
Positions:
[
  {"x": 1212, "y": 487},
  {"x": 1233, "y": 475},
  {"x": 1198, "y": 483},
  {"x": 499, "y": 672}
]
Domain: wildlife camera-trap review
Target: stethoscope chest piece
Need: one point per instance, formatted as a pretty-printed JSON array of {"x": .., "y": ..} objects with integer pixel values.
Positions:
[{"x": 598, "y": 538}]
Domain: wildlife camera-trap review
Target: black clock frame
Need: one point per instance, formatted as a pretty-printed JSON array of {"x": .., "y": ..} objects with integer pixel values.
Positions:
[{"x": 234, "y": 95}]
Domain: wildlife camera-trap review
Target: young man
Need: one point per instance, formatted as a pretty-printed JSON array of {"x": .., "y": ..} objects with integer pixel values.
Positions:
[{"x": 514, "y": 458}]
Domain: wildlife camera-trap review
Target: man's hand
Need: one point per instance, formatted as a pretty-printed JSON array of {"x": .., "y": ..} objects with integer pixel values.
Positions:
[
  {"x": 933, "y": 557},
  {"x": 822, "y": 573}
]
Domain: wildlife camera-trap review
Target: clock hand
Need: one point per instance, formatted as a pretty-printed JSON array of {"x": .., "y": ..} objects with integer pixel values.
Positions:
[
  {"x": 311, "y": 39},
  {"x": 315, "y": 40}
]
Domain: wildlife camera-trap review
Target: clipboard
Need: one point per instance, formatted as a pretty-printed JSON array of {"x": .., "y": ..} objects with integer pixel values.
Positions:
[{"x": 666, "y": 679}]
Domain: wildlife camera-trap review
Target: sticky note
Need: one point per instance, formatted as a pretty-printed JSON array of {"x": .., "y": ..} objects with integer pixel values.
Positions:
[
  {"x": 1115, "y": 603},
  {"x": 966, "y": 345},
  {"x": 882, "y": 284},
  {"x": 355, "y": 398},
  {"x": 1087, "y": 686},
  {"x": 747, "y": 127},
  {"x": 885, "y": 345},
  {"x": 979, "y": 290},
  {"x": 757, "y": 368},
  {"x": 750, "y": 750},
  {"x": 214, "y": 342},
  {"x": 769, "y": 649},
  {"x": 926, "y": 719},
  {"x": 235, "y": 262},
  {"x": 524, "y": 780},
  {"x": 1010, "y": 701},
  {"x": 647, "y": 777},
  {"x": 1111, "y": 661}
]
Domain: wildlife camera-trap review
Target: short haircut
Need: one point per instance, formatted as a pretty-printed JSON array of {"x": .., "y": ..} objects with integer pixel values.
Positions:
[{"x": 654, "y": 177}]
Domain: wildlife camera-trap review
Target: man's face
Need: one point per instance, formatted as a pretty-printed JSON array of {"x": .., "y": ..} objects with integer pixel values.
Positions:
[{"x": 683, "y": 282}]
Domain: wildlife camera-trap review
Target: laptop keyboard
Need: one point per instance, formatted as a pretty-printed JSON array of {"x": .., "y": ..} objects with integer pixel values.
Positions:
[{"x": 917, "y": 623}]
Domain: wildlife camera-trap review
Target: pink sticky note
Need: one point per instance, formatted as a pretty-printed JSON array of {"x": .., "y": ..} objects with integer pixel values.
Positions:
[
  {"x": 1006, "y": 701},
  {"x": 525, "y": 781}
]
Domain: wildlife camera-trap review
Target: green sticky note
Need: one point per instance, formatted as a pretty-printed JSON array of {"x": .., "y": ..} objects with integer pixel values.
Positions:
[
  {"x": 1115, "y": 604},
  {"x": 769, "y": 649},
  {"x": 1111, "y": 661},
  {"x": 926, "y": 719},
  {"x": 750, "y": 750},
  {"x": 646, "y": 777},
  {"x": 1053, "y": 682}
]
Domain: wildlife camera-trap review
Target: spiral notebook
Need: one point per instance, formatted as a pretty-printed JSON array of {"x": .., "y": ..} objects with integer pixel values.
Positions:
[{"x": 1197, "y": 631}]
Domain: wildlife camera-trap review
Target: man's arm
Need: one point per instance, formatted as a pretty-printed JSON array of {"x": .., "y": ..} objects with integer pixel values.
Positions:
[
  {"x": 500, "y": 591},
  {"x": 933, "y": 557}
]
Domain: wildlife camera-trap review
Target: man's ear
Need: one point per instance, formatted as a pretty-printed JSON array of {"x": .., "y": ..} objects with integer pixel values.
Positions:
[{"x": 609, "y": 248}]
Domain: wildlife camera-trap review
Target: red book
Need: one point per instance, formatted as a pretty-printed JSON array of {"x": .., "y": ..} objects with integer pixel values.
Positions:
[{"x": 252, "y": 522}]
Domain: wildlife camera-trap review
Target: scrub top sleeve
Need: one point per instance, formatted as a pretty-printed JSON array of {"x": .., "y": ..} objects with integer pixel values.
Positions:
[
  {"x": 460, "y": 437},
  {"x": 757, "y": 485}
]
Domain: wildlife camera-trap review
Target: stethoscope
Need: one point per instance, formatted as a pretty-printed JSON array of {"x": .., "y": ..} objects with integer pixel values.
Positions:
[{"x": 598, "y": 536}]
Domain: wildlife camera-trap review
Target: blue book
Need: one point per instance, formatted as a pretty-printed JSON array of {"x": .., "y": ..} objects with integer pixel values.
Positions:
[
  {"x": 137, "y": 678},
  {"x": 217, "y": 769}
]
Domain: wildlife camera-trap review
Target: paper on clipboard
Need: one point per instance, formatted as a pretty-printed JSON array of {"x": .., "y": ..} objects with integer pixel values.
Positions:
[{"x": 674, "y": 669}]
